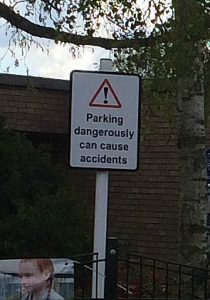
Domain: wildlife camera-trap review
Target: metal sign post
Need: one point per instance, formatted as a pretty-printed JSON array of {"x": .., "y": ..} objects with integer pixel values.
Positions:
[{"x": 100, "y": 225}]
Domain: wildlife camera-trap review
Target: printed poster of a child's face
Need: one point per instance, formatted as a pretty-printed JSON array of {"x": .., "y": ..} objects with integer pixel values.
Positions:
[
  {"x": 36, "y": 276},
  {"x": 36, "y": 279}
]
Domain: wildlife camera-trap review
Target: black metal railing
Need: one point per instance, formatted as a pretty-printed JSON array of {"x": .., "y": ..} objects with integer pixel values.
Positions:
[
  {"x": 139, "y": 277},
  {"x": 85, "y": 267},
  {"x": 147, "y": 278}
]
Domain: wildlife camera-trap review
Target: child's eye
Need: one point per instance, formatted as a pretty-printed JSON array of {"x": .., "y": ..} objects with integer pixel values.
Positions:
[{"x": 25, "y": 275}]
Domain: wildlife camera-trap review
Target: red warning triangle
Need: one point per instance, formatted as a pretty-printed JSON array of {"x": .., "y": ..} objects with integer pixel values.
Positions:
[{"x": 105, "y": 97}]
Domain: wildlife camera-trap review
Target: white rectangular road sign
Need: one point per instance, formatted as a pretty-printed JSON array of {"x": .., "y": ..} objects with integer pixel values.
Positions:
[{"x": 105, "y": 120}]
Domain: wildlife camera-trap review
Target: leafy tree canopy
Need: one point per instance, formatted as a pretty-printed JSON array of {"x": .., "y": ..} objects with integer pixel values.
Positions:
[
  {"x": 122, "y": 24},
  {"x": 157, "y": 38},
  {"x": 39, "y": 215}
]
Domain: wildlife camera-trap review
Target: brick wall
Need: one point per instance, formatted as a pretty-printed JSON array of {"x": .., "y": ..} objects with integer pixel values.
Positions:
[
  {"x": 143, "y": 205},
  {"x": 30, "y": 107}
]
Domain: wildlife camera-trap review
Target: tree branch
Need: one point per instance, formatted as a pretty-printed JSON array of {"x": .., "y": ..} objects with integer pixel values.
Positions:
[{"x": 24, "y": 24}]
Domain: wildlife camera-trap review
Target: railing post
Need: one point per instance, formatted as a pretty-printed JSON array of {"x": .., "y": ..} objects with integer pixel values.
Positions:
[{"x": 111, "y": 270}]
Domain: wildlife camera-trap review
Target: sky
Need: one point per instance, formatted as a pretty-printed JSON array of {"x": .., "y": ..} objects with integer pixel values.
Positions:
[{"x": 58, "y": 63}]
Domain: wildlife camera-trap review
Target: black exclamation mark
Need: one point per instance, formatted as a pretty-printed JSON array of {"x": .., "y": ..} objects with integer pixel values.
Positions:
[{"x": 105, "y": 95}]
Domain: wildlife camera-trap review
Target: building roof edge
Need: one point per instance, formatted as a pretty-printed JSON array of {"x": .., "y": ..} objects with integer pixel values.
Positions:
[{"x": 33, "y": 81}]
